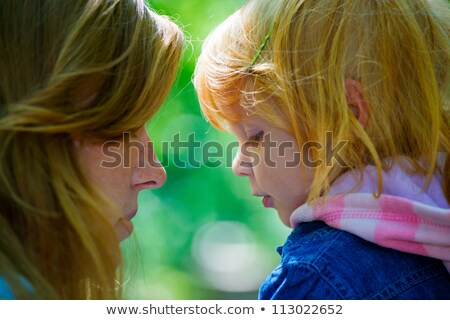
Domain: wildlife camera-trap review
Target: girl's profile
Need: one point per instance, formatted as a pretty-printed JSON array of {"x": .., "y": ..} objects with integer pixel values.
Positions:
[{"x": 370, "y": 221}]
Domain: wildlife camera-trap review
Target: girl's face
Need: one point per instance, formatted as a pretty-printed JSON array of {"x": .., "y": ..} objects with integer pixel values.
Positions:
[
  {"x": 121, "y": 169},
  {"x": 269, "y": 157}
]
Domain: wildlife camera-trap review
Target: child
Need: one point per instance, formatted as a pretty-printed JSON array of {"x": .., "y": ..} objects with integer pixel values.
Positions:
[{"x": 339, "y": 108}]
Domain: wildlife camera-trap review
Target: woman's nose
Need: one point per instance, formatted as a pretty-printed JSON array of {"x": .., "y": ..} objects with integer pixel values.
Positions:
[
  {"x": 150, "y": 173},
  {"x": 151, "y": 176}
]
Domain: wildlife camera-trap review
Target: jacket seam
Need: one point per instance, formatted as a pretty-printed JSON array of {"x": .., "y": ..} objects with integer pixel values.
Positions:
[{"x": 312, "y": 267}]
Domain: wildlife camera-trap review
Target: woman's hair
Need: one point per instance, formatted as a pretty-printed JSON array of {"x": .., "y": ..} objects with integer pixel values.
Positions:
[
  {"x": 71, "y": 69},
  {"x": 398, "y": 50}
]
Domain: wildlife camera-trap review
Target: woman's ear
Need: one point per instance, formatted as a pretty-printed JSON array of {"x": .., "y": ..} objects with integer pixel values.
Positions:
[
  {"x": 87, "y": 90},
  {"x": 356, "y": 101}
]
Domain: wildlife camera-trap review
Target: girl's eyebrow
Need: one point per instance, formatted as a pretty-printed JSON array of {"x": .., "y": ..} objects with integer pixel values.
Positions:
[
  {"x": 251, "y": 129},
  {"x": 250, "y": 126}
]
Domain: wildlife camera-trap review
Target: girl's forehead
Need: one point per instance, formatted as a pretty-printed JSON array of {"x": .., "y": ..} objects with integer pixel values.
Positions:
[{"x": 249, "y": 122}]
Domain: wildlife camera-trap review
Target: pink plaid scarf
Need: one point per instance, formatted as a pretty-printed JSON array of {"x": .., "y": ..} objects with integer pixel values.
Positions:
[{"x": 404, "y": 218}]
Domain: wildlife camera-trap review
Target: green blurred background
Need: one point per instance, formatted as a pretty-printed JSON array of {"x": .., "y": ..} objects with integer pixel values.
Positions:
[{"x": 201, "y": 236}]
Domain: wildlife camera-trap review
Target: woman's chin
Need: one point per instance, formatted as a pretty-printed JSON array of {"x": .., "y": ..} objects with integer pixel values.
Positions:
[{"x": 124, "y": 228}]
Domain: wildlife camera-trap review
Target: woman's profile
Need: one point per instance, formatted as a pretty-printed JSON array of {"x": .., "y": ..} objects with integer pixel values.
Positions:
[{"x": 75, "y": 74}]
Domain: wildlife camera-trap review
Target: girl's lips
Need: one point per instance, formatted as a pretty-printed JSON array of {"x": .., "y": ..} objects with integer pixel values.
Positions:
[{"x": 267, "y": 202}]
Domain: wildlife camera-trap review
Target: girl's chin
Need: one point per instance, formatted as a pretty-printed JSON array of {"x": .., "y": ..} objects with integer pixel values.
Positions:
[{"x": 285, "y": 217}]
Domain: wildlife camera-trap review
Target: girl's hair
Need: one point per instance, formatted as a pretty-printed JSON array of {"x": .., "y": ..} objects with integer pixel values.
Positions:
[
  {"x": 398, "y": 50},
  {"x": 71, "y": 69}
]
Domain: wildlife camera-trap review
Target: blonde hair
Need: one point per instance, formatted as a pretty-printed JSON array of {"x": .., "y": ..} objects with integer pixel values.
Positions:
[
  {"x": 70, "y": 69},
  {"x": 398, "y": 50}
]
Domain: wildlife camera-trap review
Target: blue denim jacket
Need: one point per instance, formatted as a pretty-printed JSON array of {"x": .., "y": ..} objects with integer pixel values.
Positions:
[{"x": 320, "y": 262}]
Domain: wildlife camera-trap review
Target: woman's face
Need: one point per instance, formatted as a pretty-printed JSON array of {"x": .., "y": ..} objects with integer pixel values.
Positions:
[
  {"x": 121, "y": 169},
  {"x": 270, "y": 158}
]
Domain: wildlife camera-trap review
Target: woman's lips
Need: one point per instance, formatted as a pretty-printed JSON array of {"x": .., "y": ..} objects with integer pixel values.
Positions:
[{"x": 131, "y": 215}]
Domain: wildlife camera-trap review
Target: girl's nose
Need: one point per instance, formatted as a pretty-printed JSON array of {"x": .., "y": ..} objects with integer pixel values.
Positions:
[{"x": 242, "y": 167}]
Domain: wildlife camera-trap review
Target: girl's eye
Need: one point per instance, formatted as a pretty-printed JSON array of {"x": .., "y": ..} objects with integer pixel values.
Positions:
[{"x": 255, "y": 139}]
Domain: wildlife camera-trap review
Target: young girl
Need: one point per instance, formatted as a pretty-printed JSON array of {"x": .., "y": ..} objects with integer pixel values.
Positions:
[
  {"x": 340, "y": 110},
  {"x": 75, "y": 74}
]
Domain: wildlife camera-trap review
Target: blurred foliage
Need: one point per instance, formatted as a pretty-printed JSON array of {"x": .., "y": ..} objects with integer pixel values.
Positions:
[{"x": 202, "y": 235}]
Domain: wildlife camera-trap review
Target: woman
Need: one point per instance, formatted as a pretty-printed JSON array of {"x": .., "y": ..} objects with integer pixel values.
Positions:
[{"x": 74, "y": 75}]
